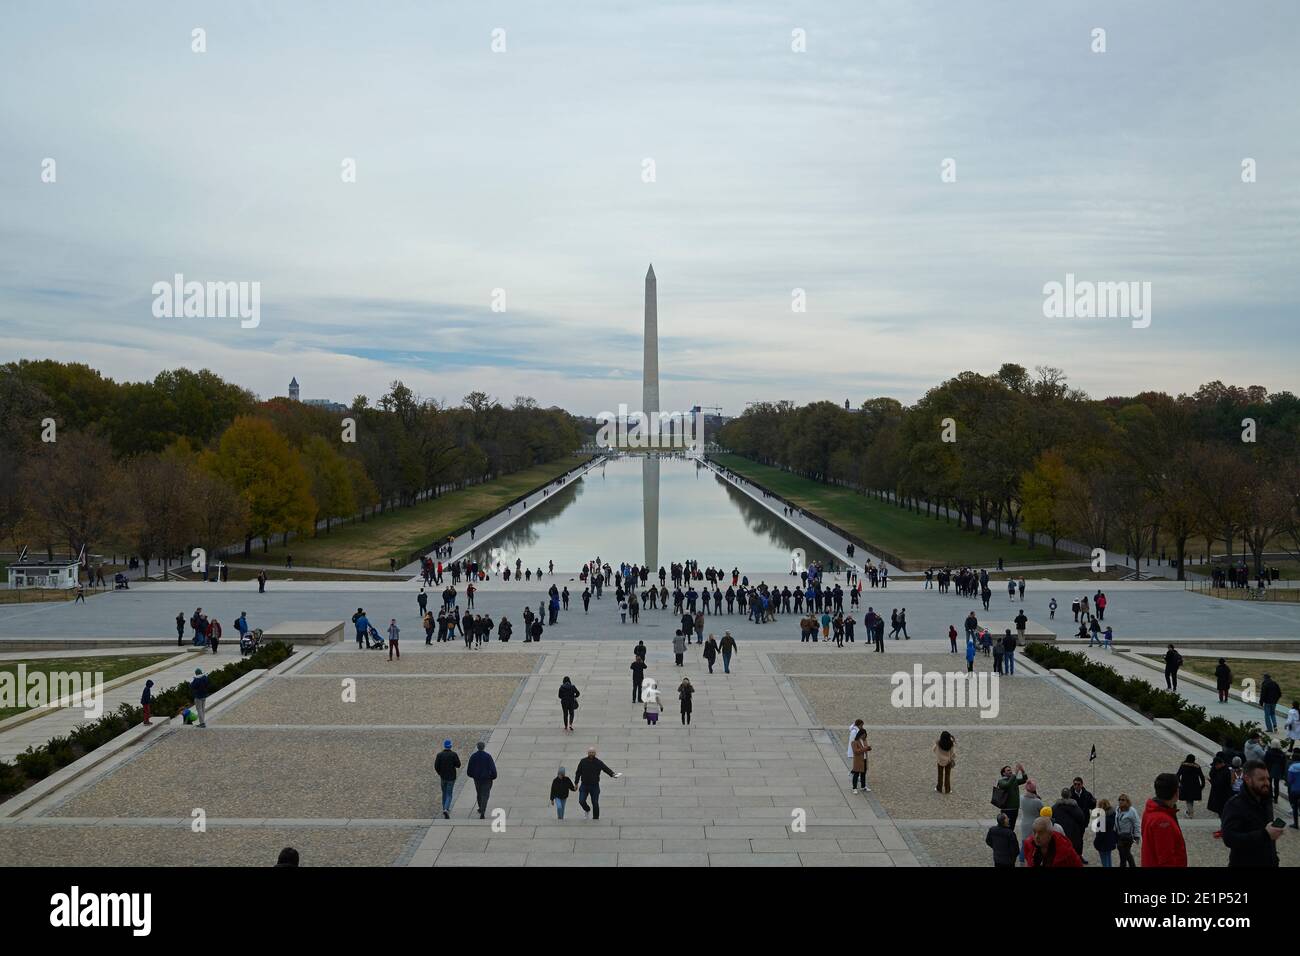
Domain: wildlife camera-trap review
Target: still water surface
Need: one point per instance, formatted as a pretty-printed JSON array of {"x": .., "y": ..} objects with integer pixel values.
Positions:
[{"x": 651, "y": 510}]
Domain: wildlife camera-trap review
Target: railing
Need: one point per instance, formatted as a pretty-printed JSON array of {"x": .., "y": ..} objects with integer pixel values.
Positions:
[{"x": 1282, "y": 591}]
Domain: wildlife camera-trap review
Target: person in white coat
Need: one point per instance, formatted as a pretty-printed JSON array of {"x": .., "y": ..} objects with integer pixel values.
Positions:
[
  {"x": 857, "y": 728},
  {"x": 1292, "y": 726}
]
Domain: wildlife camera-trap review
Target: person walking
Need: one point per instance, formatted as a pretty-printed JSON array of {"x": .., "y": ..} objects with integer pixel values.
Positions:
[
  {"x": 588, "y": 774},
  {"x": 684, "y": 694},
  {"x": 970, "y": 654},
  {"x": 1249, "y": 830},
  {"x": 482, "y": 769},
  {"x": 1127, "y": 830},
  {"x": 952, "y": 639},
  {"x": 945, "y": 754},
  {"x": 638, "y": 675},
  {"x": 679, "y": 648},
  {"x": 1223, "y": 679},
  {"x": 201, "y": 687},
  {"x": 1173, "y": 661},
  {"x": 394, "y": 632},
  {"x": 1009, "y": 644},
  {"x": 1162, "y": 837},
  {"x": 1191, "y": 783},
  {"x": 445, "y": 766},
  {"x": 859, "y": 748},
  {"x": 1001, "y": 839},
  {"x": 214, "y": 634},
  {"x": 727, "y": 646},
  {"x": 568, "y": 695},
  {"x": 146, "y": 701},
  {"x": 180, "y": 628},
  {"x": 561, "y": 787},
  {"x": 711, "y": 651},
  {"x": 1269, "y": 694}
]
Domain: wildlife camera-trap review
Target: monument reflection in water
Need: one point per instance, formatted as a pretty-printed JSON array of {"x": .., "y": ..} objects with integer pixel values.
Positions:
[{"x": 685, "y": 512}]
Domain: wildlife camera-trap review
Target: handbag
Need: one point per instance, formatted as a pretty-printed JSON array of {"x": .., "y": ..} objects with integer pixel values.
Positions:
[{"x": 1001, "y": 797}]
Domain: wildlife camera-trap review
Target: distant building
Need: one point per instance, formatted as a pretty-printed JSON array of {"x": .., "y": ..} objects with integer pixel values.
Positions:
[
  {"x": 325, "y": 403},
  {"x": 44, "y": 574}
]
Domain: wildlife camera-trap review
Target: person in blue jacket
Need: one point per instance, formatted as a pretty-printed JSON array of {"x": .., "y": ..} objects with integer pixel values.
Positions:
[
  {"x": 970, "y": 654},
  {"x": 482, "y": 769},
  {"x": 201, "y": 687},
  {"x": 146, "y": 701}
]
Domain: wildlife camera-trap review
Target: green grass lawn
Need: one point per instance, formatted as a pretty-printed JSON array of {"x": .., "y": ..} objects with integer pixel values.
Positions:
[
  {"x": 917, "y": 540},
  {"x": 248, "y": 573},
  {"x": 1286, "y": 673},
  {"x": 368, "y": 545},
  {"x": 110, "y": 667}
]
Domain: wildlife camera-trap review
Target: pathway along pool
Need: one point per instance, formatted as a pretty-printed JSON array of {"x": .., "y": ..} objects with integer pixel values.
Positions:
[{"x": 656, "y": 510}]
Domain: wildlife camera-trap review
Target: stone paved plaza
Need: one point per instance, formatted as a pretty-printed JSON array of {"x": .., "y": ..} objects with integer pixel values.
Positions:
[
  {"x": 760, "y": 778},
  {"x": 1150, "y": 610}
]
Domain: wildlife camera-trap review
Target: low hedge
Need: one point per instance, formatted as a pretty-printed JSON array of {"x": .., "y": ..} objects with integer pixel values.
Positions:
[
  {"x": 1142, "y": 696},
  {"x": 37, "y": 763}
]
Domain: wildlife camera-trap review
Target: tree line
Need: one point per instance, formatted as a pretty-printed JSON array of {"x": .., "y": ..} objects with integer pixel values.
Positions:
[
  {"x": 191, "y": 460},
  {"x": 1018, "y": 451}
]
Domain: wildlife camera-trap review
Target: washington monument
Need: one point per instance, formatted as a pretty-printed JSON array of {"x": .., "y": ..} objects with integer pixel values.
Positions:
[
  {"x": 650, "y": 366},
  {"x": 650, "y": 406}
]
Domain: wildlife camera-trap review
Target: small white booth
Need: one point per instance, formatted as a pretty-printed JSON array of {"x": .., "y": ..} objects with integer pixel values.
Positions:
[{"x": 44, "y": 574}]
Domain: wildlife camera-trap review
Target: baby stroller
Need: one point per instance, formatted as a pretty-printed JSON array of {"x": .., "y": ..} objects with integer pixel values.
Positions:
[
  {"x": 373, "y": 640},
  {"x": 250, "y": 641}
]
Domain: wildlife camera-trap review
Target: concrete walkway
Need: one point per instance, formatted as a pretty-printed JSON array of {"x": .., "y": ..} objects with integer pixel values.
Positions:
[
  {"x": 14, "y": 739},
  {"x": 732, "y": 789},
  {"x": 1234, "y": 709}
]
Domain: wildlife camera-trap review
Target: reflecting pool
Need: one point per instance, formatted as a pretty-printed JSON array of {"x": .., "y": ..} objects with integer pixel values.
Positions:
[{"x": 651, "y": 509}]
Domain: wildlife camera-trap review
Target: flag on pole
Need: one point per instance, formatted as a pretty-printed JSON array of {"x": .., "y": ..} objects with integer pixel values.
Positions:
[
  {"x": 81, "y": 556},
  {"x": 22, "y": 555},
  {"x": 1093, "y": 756}
]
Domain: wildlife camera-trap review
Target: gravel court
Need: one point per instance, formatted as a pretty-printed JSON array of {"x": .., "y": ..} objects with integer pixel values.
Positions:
[
  {"x": 269, "y": 774},
  {"x": 1021, "y": 700},
  {"x": 121, "y": 843},
  {"x": 385, "y": 700}
]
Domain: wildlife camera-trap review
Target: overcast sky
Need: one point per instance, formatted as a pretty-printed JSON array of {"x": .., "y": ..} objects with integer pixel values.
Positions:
[{"x": 775, "y": 170}]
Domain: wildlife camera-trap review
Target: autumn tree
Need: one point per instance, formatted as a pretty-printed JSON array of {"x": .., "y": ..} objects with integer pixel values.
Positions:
[{"x": 259, "y": 464}]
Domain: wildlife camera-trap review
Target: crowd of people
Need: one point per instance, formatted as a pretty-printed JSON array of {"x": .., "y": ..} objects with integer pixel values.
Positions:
[{"x": 1041, "y": 831}]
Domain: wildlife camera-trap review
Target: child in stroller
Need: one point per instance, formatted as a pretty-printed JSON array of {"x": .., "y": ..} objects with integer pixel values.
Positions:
[
  {"x": 250, "y": 641},
  {"x": 374, "y": 640}
]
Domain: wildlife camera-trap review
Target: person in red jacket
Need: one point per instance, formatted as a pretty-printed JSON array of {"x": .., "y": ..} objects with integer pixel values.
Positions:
[
  {"x": 1046, "y": 847},
  {"x": 1162, "y": 837}
]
